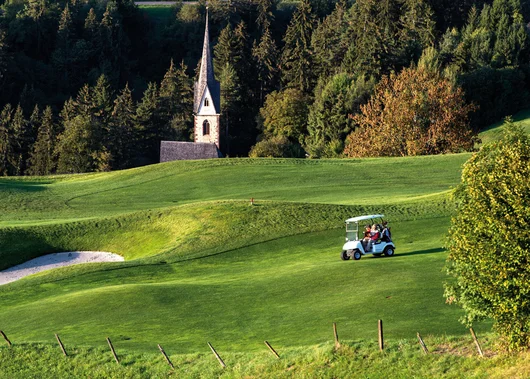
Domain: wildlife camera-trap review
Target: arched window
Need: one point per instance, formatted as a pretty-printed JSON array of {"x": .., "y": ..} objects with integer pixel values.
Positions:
[
  {"x": 205, "y": 128},
  {"x": 206, "y": 102}
]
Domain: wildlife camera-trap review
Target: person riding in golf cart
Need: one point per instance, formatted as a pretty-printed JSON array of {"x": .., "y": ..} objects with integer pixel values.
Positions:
[{"x": 377, "y": 239}]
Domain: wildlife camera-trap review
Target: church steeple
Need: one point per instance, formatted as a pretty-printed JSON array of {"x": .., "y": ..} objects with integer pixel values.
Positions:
[
  {"x": 207, "y": 97},
  {"x": 206, "y": 74}
]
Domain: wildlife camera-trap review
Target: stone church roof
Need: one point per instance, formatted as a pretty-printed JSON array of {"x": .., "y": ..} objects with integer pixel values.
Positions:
[
  {"x": 206, "y": 76},
  {"x": 178, "y": 150}
]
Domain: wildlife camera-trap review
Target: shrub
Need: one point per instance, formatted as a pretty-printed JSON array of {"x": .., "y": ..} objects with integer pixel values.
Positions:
[{"x": 489, "y": 239}]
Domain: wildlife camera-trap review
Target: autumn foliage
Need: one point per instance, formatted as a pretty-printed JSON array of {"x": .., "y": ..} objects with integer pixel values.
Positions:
[{"x": 415, "y": 112}]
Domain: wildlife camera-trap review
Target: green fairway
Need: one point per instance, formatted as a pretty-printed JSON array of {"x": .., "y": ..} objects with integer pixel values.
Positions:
[
  {"x": 202, "y": 264},
  {"x": 368, "y": 181}
]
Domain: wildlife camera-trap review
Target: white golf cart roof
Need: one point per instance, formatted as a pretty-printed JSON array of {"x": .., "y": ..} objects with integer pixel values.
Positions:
[{"x": 362, "y": 218}]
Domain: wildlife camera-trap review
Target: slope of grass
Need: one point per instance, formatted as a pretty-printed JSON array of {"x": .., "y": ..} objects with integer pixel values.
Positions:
[
  {"x": 203, "y": 265},
  {"x": 449, "y": 358},
  {"x": 368, "y": 181},
  {"x": 493, "y": 132}
]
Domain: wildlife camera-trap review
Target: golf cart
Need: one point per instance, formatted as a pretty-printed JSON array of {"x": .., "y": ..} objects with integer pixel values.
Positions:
[{"x": 356, "y": 248}]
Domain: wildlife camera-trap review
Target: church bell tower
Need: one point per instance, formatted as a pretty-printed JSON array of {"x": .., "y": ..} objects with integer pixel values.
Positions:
[{"x": 207, "y": 98}]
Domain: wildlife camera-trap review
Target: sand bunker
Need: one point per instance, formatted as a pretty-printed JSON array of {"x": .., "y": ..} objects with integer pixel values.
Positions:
[{"x": 51, "y": 261}]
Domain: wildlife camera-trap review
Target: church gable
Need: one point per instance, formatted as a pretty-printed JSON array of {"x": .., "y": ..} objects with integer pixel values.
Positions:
[{"x": 207, "y": 106}]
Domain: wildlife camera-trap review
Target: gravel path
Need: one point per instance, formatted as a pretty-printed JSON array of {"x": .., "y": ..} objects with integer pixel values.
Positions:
[{"x": 51, "y": 261}]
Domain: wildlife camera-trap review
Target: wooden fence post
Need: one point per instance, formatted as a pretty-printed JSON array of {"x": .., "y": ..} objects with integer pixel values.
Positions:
[
  {"x": 217, "y": 355},
  {"x": 272, "y": 350},
  {"x": 422, "y": 344},
  {"x": 381, "y": 340},
  {"x": 336, "y": 336},
  {"x": 5, "y": 337},
  {"x": 61, "y": 344},
  {"x": 165, "y": 356},
  {"x": 476, "y": 342},
  {"x": 113, "y": 351}
]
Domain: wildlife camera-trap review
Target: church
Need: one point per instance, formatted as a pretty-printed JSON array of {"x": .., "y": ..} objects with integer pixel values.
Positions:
[{"x": 206, "y": 113}]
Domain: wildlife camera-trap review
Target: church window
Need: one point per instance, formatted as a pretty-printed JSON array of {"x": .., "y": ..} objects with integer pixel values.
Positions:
[
  {"x": 205, "y": 128},
  {"x": 206, "y": 102}
]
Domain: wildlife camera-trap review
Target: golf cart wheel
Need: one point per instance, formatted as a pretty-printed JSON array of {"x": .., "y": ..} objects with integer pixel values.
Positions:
[
  {"x": 356, "y": 255},
  {"x": 344, "y": 255},
  {"x": 389, "y": 251}
]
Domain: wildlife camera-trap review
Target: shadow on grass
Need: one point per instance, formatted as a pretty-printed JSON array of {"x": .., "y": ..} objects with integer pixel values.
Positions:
[
  {"x": 21, "y": 186},
  {"x": 421, "y": 252}
]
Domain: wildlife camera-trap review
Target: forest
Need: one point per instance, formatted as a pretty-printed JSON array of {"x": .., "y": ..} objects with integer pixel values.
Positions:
[{"x": 95, "y": 85}]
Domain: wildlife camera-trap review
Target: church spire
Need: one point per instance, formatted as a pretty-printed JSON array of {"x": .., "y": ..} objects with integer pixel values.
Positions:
[{"x": 206, "y": 74}]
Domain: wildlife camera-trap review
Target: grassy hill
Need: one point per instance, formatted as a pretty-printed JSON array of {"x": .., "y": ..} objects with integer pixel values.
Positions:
[
  {"x": 494, "y": 131},
  {"x": 203, "y": 265}
]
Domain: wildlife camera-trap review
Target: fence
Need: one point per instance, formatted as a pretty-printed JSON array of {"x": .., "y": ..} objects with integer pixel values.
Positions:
[{"x": 337, "y": 345}]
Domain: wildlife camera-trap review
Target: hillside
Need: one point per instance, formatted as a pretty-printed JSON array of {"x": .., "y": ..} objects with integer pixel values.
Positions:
[
  {"x": 494, "y": 131},
  {"x": 201, "y": 259}
]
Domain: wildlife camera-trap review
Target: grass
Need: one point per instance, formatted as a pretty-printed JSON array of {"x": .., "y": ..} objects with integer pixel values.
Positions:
[
  {"x": 203, "y": 265},
  {"x": 494, "y": 131},
  {"x": 354, "y": 359},
  {"x": 160, "y": 13}
]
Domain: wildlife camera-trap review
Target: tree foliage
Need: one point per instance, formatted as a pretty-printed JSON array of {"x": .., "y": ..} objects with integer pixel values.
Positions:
[
  {"x": 414, "y": 112},
  {"x": 336, "y": 99},
  {"x": 489, "y": 238}
]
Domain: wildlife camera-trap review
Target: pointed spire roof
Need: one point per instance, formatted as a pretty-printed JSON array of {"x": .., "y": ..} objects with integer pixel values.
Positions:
[{"x": 206, "y": 74}]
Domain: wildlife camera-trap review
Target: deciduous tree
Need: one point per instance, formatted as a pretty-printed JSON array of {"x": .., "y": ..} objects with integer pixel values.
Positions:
[
  {"x": 414, "y": 112},
  {"x": 489, "y": 238}
]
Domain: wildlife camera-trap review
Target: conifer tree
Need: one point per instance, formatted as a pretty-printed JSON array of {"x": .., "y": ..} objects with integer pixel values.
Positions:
[
  {"x": 148, "y": 122},
  {"x": 122, "y": 133},
  {"x": 6, "y": 137},
  {"x": 417, "y": 27},
  {"x": 62, "y": 55},
  {"x": 21, "y": 141},
  {"x": 296, "y": 57},
  {"x": 91, "y": 34},
  {"x": 75, "y": 147},
  {"x": 176, "y": 100},
  {"x": 265, "y": 14},
  {"x": 41, "y": 160},
  {"x": 266, "y": 59},
  {"x": 337, "y": 99},
  {"x": 100, "y": 99},
  {"x": 375, "y": 48},
  {"x": 329, "y": 41}
]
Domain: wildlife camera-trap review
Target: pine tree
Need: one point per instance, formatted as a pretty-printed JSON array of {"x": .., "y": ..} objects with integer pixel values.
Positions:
[
  {"x": 75, "y": 148},
  {"x": 6, "y": 137},
  {"x": 417, "y": 27},
  {"x": 62, "y": 56},
  {"x": 91, "y": 34},
  {"x": 21, "y": 141},
  {"x": 101, "y": 99},
  {"x": 375, "y": 48},
  {"x": 176, "y": 100},
  {"x": 41, "y": 160},
  {"x": 265, "y": 14},
  {"x": 149, "y": 123},
  {"x": 337, "y": 99},
  {"x": 266, "y": 59},
  {"x": 296, "y": 57},
  {"x": 329, "y": 41},
  {"x": 122, "y": 133}
]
